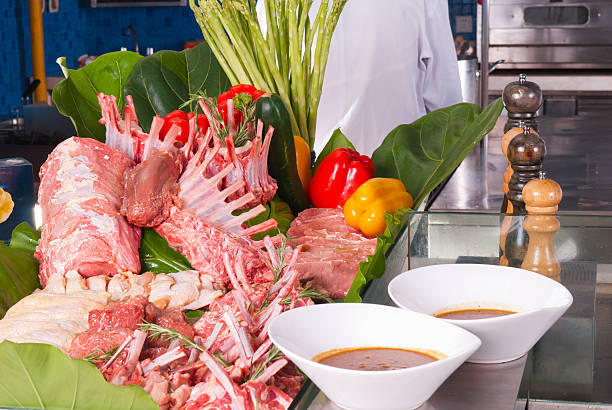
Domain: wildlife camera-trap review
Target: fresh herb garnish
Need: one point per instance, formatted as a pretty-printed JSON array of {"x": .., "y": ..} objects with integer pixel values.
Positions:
[
  {"x": 220, "y": 359},
  {"x": 99, "y": 356},
  {"x": 308, "y": 292},
  {"x": 159, "y": 333},
  {"x": 255, "y": 370}
]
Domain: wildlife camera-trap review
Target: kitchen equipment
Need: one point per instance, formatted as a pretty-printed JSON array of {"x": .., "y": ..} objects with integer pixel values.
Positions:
[
  {"x": 469, "y": 75},
  {"x": 559, "y": 34},
  {"x": 16, "y": 178}
]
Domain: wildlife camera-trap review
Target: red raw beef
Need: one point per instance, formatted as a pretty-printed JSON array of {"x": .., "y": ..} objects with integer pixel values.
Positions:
[
  {"x": 127, "y": 314},
  {"x": 331, "y": 250},
  {"x": 94, "y": 340},
  {"x": 170, "y": 319},
  {"x": 81, "y": 186}
]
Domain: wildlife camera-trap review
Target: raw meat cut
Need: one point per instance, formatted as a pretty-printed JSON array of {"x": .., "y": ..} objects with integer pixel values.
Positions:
[
  {"x": 204, "y": 246},
  {"x": 81, "y": 186},
  {"x": 151, "y": 188},
  {"x": 331, "y": 250}
]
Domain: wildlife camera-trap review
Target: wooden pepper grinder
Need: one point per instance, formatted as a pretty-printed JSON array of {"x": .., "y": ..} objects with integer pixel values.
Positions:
[
  {"x": 526, "y": 152},
  {"x": 542, "y": 197},
  {"x": 522, "y": 99},
  {"x": 509, "y": 136}
]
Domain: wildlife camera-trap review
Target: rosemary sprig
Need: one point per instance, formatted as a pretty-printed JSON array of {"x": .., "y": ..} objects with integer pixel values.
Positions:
[
  {"x": 244, "y": 131},
  {"x": 220, "y": 359},
  {"x": 99, "y": 356},
  {"x": 308, "y": 292},
  {"x": 255, "y": 370},
  {"x": 281, "y": 251},
  {"x": 160, "y": 333}
]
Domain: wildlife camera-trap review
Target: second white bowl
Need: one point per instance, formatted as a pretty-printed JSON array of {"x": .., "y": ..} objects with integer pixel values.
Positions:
[{"x": 539, "y": 301}]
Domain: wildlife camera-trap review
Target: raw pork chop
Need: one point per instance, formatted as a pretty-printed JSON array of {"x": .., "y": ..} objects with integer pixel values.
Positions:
[
  {"x": 81, "y": 186},
  {"x": 331, "y": 250}
]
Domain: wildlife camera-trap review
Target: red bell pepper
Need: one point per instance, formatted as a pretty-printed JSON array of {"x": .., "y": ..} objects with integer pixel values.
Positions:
[
  {"x": 338, "y": 176},
  {"x": 179, "y": 118}
]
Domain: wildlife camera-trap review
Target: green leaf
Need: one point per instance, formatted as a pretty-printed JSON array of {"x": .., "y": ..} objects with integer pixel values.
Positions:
[
  {"x": 425, "y": 152},
  {"x": 34, "y": 375},
  {"x": 375, "y": 266},
  {"x": 76, "y": 96},
  {"x": 25, "y": 238},
  {"x": 18, "y": 276},
  {"x": 157, "y": 256},
  {"x": 164, "y": 81},
  {"x": 337, "y": 140},
  {"x": 276, "y": 209}
]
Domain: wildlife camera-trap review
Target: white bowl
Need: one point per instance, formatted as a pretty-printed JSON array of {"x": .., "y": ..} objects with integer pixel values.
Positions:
[
  {"x": 539, "y": 301},
  {"x": 307, "y": 331}
]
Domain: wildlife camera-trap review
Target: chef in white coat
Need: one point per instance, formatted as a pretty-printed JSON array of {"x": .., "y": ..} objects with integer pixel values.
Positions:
[{"x": 390, "y": 62}]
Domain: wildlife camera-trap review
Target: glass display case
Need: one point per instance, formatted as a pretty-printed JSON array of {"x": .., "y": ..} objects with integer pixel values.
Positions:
[{"x": 571, "y": 366}]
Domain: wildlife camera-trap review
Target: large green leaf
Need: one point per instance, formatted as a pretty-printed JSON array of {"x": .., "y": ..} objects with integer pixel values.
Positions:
[
  {"x": 157, "y": 256},
  {"x": 40, "y": 376},
  {"x": 375, "y": 266},
  {"x": 337, "y": 140},
  {"x": 276, "y": 209},
  {"x": 166, "y": 80},
  {"x": 425, "y": 152},
  {"x": 25, "y": 238},
  {"x": 18, "y": 276},
  {"x": 76, "y": 96}
]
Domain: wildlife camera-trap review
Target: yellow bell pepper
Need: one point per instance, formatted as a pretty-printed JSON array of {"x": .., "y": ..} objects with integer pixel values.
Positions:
[
  {"x": 6, "y": 205},
  {"x": 302, "y": 158},
  {"x": 366, "y": 208}
]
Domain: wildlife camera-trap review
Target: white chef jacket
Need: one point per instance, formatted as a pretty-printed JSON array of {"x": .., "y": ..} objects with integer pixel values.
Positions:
[{"x": 390, "y": 62}]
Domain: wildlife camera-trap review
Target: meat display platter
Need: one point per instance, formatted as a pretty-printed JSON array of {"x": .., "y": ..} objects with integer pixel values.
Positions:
[{"x": 374, "y": 292}]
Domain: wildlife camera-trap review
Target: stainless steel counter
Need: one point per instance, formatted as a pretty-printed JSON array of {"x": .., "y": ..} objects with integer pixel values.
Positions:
[{"x": 579, "y": 158}]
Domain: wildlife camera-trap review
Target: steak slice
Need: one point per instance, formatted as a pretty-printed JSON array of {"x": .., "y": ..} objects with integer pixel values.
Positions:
[
  {"x": 127, "y": 314},
  {"x": 331, "y": 250},
  {"x": 151, "y": 188},
  {"x": 94, "y": 340},
  {"x": 81, "y": 186}
]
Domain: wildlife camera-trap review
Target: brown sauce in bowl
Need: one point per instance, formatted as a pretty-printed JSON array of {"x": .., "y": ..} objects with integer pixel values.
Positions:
[
  {"x": 377, "y": 358},
  {"x": 469, "y": 314}
]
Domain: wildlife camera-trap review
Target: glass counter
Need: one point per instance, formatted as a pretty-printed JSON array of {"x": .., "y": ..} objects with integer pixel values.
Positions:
[{"x": 571, "y": 366}]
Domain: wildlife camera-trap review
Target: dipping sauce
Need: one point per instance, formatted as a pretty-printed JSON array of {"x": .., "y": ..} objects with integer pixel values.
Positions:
[
  {"x": 377, "y": 358},
  {"x": 467, "y": 314}
]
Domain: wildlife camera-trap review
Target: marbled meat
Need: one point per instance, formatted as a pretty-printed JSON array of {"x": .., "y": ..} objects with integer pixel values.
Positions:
[
  {"x": 331, "y": 250},
  {"x": 80, "y": 195}
]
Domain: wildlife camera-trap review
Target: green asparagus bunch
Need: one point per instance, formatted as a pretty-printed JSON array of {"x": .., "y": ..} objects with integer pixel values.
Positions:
[{"x": 289, "y": 60}]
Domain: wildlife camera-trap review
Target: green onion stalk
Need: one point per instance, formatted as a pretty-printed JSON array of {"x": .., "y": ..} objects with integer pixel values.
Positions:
[{"x": 289, "y": 60}]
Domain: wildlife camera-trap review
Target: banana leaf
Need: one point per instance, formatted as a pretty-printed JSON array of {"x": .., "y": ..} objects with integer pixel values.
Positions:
[
  {"x": 25, "y": 238},
  {"x": 157, "y": 256},
  {"x": 169, "y": 80},
  {"x": 40, "y": 376},
  {"x": 276, "y": 209},
  {"x": 18, "y": 276},
  {"x": 424, "y": 153},
  {"x": 76, "y": 96}
]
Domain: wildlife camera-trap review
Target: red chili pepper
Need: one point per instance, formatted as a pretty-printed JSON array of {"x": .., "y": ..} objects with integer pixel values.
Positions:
[
  {"x": 338, "y": 176},
  {"x": 179, "y": 118}
]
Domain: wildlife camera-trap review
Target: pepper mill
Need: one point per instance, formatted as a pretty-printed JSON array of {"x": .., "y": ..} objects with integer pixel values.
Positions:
[
  {"x": 526, "y": 152},
  {"x": 542, "y": 197},
  {"x": 522, "y": 99},
  {"x": 509, "y": 136}
]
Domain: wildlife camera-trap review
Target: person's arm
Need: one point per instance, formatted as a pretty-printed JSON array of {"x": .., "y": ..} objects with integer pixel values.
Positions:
[{"x": 442, "y": 85}]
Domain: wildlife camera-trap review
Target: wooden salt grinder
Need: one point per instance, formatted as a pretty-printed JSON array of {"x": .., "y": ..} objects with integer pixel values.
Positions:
[
  {"x": 522, "y": 100},
  {"x": 542, "y": 197}
]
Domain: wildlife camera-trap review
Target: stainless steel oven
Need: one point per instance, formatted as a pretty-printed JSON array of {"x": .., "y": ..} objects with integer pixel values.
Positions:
[{"x": 551, "y": 34}]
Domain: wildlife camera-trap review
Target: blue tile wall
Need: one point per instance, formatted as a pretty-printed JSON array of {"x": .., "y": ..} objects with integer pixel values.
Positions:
[
  {"x": 77, "y": 30},
  {"x": 463, "y": 8}
]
